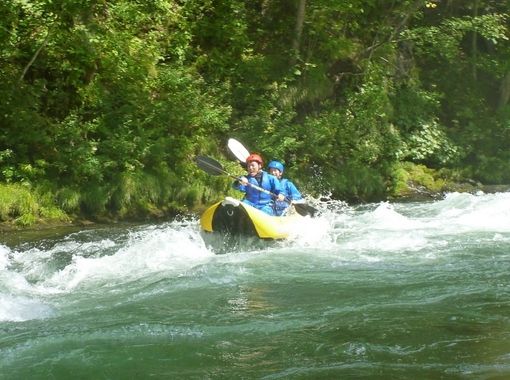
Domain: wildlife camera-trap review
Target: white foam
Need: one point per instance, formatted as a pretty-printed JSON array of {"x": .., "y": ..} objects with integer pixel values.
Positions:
[
  {"x": 148, "y": 251},
  {"x": 311, "y": 232},
  {"x": 19, "y": 308},
  {"x": 31, "y": 281},
  {"x": 463, "y": 212},
  {"x": 16, "y": 300},
  {"x": 385, "y": 217},
  {"x": 388, "y": 230},
  {"x": 4, "y": 256}
]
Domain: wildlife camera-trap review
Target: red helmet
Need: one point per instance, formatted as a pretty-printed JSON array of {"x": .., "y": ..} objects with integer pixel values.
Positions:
[{"x": 254, "y": 157}]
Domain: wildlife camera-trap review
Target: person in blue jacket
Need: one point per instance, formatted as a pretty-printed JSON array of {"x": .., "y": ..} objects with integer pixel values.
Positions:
[
  {"x": 259, "y": 178},
  {"x": 288, "y": 188}
]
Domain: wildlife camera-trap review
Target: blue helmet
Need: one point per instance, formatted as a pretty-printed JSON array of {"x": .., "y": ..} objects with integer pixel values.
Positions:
[{"x": 275, "y": 165}]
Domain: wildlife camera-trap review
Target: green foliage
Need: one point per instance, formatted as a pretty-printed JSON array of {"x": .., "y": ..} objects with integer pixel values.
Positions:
[
  {"x": 24, "y": 205},
  {"x": 355, "y": 182},
  {"x": 431, "y": 145},
  {"x": 68, "y": 199},
  {"x": 413, "y": 106},
  {"x": 445, "y": 39},
  {"x": 493, "y": 170},
  {"x": 407, "y": 177},
  {"x": 105, "y": 104},
  {"x": 460, "y": 59},
  {"x": 16, "y": 200}
]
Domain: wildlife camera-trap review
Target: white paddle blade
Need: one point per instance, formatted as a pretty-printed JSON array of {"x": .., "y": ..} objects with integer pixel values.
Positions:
[{"x": 238, "y": 150}]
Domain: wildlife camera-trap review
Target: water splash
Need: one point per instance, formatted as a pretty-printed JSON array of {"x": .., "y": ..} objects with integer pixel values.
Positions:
[
  {"x": 14, "y": 306},
  {"x": 172, "y": 248},
  {"x": 18, "y": 309},
  {"x": 33, "y": 278}
]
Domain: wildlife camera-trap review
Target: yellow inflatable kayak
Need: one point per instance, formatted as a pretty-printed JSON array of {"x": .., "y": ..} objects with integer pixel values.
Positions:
[{"x": 232, "y": 218}]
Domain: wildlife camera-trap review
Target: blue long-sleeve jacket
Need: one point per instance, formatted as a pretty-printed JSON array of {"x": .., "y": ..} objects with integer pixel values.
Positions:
[
  {"x": 258, "y": 198},
  {"x": 290, "y": 190},
  {"x": 291, "y": 193}
]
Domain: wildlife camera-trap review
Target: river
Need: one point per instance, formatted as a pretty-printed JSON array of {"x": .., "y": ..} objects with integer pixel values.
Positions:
[{"x": 383, "y": 290}]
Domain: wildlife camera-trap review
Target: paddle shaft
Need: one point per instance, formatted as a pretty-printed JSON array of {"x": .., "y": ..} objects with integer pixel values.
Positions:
[
  {"x": 213, "y": 167},
  {"x": 261, "y": 189}
]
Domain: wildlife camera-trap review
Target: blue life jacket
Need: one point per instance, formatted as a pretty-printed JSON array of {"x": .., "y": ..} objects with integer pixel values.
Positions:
[{"x": 258, "y": 198}]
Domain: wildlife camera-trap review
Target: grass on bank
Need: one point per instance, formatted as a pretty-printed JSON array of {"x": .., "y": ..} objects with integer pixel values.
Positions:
[
  {"x": 133, "y": 196},
  {"x": 147, "y": 197},
  {"x": 22, "y": 206}
]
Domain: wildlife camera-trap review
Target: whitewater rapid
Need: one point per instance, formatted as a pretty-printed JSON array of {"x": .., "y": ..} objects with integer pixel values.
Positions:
[{"x": 41, "y": 279}]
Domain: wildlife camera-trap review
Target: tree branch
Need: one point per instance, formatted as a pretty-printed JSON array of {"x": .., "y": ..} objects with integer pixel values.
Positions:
[{"x": 36, "y": 54}]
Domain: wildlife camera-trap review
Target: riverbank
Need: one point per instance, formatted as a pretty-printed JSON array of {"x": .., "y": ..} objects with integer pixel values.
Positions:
[
  {"x": 25, "y": 210},
  {"x": 415, "y": 192},
  {"x": 418, "y": 192}
]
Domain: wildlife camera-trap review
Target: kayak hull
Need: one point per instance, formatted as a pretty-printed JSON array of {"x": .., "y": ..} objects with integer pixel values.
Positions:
[{"x": 231, "y": 224}]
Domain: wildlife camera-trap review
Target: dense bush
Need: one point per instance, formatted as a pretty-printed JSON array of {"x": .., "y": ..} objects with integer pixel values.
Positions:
[{"x": 105, "y": 104}]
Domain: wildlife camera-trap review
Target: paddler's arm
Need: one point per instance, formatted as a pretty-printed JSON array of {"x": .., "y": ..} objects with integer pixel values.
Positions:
[
  {"x": 276, "y": 188},
  {"x": 295, "y": 195},
  {"x": 240, "y": 184}
]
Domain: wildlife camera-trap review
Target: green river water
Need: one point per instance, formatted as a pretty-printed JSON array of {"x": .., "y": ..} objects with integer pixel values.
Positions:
[{"x": 382, "y": 291}]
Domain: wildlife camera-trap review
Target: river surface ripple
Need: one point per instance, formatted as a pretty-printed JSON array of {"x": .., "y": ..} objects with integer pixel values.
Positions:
[{"x": 402, "y": 290}]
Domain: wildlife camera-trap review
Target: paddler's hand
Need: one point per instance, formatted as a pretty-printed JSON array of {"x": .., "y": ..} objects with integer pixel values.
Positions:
[
  {"x": 243, "y": 181},
  {"x": 280, "y": 197}
]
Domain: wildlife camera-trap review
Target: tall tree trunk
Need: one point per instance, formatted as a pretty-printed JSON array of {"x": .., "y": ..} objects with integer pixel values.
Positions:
[
  {"x": 504, "y": 91},
  {"x": 298, "y": 30},
  {"x": 474, "y": 42}
]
